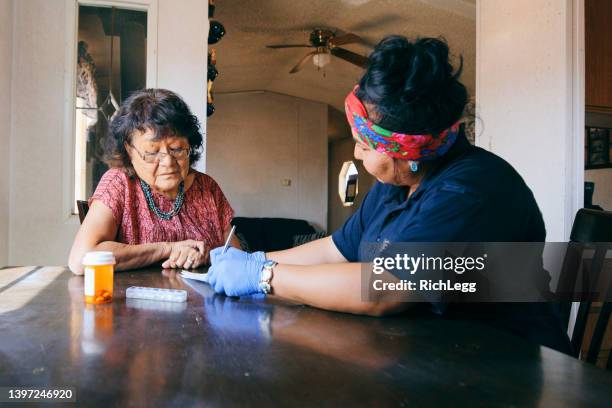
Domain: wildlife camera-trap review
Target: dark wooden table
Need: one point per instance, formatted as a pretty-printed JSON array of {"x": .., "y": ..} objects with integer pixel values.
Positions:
[{"x": 219, "y": 351}]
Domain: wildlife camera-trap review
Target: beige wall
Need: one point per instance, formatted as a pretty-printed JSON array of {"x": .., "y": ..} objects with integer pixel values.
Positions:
[
  {"x": 6, "y": 49},
  {"x": 182, "y": 38},
  {"x": 38, "y": 230},
  {"x": 341, "y": 151},
  {"x": 257, "y": 139},
  {"x": 528, "y": 75},
  {"x": 41, "y": 229},
  {"x": 603, "y": 187}
]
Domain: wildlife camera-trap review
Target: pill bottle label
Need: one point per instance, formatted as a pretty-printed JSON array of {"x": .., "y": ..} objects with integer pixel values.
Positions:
[{"x": 90, "y": 281}]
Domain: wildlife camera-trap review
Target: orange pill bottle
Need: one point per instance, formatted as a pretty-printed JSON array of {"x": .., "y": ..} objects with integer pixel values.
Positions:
[{"x": 99, "y": 269}]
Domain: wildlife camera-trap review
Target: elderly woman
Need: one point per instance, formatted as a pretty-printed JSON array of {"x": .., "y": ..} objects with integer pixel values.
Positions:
[
  {"x": 151, "y": 206},
  {"x": 433, "y": 186}
]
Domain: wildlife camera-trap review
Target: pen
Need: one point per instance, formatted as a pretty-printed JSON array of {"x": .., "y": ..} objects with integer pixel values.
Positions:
[{"x": 229, "y": 238}]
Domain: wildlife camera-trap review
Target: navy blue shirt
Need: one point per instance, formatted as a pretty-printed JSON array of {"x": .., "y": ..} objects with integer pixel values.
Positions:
[{"x": 471, "y": 195}]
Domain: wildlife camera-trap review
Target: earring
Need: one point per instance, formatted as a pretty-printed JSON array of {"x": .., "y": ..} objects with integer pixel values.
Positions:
[{"x": 414, "y": 166}]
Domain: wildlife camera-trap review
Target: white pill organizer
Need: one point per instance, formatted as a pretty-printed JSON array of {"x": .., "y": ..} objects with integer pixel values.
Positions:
[{"x": 166, "y": 295}]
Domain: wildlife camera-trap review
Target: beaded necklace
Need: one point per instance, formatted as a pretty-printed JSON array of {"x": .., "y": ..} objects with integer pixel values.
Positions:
[{"x": 146, "y": 189}]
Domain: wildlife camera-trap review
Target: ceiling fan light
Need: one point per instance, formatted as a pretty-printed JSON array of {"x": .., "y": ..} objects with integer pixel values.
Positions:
[{"x": 322, "y": 59}]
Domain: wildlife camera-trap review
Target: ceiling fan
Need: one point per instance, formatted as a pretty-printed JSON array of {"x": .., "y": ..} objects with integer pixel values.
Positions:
[{"x": 326, "y": 43}]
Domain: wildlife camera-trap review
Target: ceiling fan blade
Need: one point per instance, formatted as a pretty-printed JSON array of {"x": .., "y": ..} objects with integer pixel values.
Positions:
[
  {"x": 289, "y": 46},
  {"x": 348, "y": 38},
  {"x": 370, "y": 41},
  {"x": 302, "y": 62},
  {"x": 350, "y": 56},
  {"x": 378, "y": 22}
]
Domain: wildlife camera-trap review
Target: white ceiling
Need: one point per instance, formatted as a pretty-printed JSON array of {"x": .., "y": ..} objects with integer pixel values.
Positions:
[{"x": 245, "y": 64}]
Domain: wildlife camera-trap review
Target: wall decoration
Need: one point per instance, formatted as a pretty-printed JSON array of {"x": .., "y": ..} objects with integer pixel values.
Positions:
[
  {"x": 212, "y": 75},
  {"x": 215, "y": 33},
  {"x": 86, "y": 85},
  {"x": 598, "y": 148}
]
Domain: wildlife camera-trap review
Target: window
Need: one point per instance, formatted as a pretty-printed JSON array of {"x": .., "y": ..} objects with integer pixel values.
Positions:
[{"x": 111, "y": 64}]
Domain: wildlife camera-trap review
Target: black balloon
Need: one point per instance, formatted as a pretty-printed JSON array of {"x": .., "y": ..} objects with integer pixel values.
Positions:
[
  {"x": 210, "y": 109},
  {"x": 212, "y": 73},
  {"x": 217, "y": 31}
]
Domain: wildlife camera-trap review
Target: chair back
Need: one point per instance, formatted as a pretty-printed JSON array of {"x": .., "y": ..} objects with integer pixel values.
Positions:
[
  {"x": 592, "y": 226},
  {"x": 270, "y": 234},
  {"x": 83, "y": 207},
  {"x": 591, "y": 229}
]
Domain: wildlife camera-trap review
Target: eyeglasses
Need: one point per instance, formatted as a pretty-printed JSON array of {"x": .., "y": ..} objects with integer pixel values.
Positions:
[{"x": 177, "y": 154}]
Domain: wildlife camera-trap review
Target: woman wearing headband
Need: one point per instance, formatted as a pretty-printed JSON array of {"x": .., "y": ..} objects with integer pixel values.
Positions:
[{"x": 433, "y": 186}]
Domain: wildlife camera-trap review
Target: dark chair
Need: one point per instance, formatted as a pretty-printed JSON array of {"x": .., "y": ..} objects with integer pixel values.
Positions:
[
  {"x": 600, "y": 331},
  {"x": 592, "y": 229},
  {"x": 83, "y": 207},
  {"x": 589, "y": 189},
  {"x": 270, "y": 234}
]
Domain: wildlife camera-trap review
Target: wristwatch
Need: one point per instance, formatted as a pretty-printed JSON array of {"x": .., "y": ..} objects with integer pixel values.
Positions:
[{"x": 266, "y": 276}]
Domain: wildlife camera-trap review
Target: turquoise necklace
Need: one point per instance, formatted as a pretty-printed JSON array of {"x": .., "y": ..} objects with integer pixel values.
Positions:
[{"x": 146, "y": 189}]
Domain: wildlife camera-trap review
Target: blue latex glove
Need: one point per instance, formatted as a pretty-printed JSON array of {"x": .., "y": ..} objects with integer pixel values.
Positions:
[
  {"x": 235, "y": 273},
  {"x": 235, "y": 253}
]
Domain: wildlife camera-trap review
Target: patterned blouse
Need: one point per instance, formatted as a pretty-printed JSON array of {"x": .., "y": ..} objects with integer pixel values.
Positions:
[{"x": 204, "y": 215}]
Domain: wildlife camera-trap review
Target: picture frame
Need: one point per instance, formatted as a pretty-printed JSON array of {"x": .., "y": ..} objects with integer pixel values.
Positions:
[{"x": 598, "y": 148}]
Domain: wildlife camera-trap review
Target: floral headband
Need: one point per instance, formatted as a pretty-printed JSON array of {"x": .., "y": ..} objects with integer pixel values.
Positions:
[{"x": 414, "y": 147}]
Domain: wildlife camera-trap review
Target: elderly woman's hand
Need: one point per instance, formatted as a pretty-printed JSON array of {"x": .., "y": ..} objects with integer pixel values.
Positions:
[{"x": 187, "y": 254}]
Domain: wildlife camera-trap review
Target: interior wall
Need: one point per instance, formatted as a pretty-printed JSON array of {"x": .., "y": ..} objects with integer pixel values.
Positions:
[
  {"x": 526, "y": 96},
  {"x": 340, "y": 151},
  {"x": 258, "y": 139},
  {"x": 182, "y": 49},
  {"x": 38, "y": 233},
  {"x": 6, "y": 50},
  {"x": 603, "y": 187},
  {"x": 41, "y": 233}
]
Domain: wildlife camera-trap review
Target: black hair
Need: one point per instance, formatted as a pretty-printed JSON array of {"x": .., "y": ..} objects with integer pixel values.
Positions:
[
  {"x": 413, "y": 86},
  {"x": 159, "y": 110}
]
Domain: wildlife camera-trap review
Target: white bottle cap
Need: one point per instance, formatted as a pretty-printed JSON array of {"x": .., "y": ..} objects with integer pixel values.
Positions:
[{"x": 99, "y": 258}]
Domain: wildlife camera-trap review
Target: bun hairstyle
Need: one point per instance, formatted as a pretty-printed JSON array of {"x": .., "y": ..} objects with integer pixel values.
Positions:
[{"x": 412, "y": 85}]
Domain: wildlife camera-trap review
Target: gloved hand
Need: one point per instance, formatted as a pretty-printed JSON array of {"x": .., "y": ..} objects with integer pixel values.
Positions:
[
  {"x": 235, "y": 273},
  {"x": 236, "y": 254}
]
